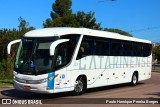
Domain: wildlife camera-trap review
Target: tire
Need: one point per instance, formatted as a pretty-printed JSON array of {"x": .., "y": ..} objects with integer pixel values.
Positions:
[
  {"x": 134, "y": 80},
  {"x": 78, "y": 87}
]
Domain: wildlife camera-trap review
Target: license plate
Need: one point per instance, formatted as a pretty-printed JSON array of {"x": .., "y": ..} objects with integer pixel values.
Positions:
[{"x": 27, "y": 88}]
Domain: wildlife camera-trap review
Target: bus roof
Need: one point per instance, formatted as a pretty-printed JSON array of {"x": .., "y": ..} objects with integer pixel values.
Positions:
[{"x": 58, "y": 31}]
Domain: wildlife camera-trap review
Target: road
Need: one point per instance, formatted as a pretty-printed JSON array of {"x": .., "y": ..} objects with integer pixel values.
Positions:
[{"x": 145, "y": 89}]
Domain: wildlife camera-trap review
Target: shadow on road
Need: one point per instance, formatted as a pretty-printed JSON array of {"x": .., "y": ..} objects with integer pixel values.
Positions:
[
  {"x": 111, "y": 87},
  {"x": 155, "y": 93},
  {"x": 12, "y": 93}
]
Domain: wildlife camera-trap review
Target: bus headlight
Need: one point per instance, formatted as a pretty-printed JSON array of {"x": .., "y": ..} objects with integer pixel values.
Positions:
[
  {"x": 31, "y": 81},
  {"x": 35, "y": 81}
]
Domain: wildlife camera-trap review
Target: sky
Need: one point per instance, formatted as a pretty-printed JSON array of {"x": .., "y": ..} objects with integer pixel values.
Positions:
[{"x": 141, "y": 18}]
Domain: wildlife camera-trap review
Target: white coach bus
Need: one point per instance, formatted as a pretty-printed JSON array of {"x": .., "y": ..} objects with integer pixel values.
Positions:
[{"x": 54, "y": 60}]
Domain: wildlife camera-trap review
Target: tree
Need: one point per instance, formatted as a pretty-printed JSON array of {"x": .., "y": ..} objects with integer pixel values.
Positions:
[
  {"x": 22, "y": 23},
  {"x": 157, "y": 52},
  {"x": 6, "y": 61},
  {"x": 24, "y": 26},
  {"x": 62, "y": 16},
  {"x": 118, "y": 31},
  {"x": 6, "y": 36},
  {"x": 87, "y": 20},
  {"x": 61, "y": 7}
]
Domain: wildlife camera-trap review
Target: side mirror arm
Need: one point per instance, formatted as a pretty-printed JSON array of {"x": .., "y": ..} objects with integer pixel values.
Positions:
[
  {"x": 54, "y": 45},
  {"x": 10, "y": 44}
]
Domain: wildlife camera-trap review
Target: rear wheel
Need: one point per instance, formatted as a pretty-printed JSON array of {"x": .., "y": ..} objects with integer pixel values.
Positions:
[
  {"x": 134, "y": 80},
  {"x": 79, "y": 87}
]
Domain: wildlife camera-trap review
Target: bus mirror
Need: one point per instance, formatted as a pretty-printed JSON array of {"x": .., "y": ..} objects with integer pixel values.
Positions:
[
  {"x": 10, "y": 44},
  {"x": 54, "y": 45}
]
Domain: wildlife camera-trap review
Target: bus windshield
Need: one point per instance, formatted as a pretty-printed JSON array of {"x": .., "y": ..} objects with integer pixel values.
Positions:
[{"x": 33, "y": 55}]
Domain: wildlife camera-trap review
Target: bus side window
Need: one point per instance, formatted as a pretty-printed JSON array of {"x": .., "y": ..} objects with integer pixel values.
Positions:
[
  {"x": 61, "y": 55},
  {"x": 84, "y": 50},
  {"x": 116, "y": 48},
  {"x": 59, "y": 60},
  {"x": 137, "y": 49},
  {"x": 80, "y": 52},
  {"x": 102, "y": 48},
  {"x": 107, "y": 48},
  {"x": 147, "y": 50},
  {"x": 86, "y": 47},
  {"x": 127, "y": 49}
]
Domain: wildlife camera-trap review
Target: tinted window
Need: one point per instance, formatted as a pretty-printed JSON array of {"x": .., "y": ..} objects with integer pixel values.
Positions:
[
  {"x": 137, "y": 49},
  {"x": 127, "y": 49},
  {"x": 112, "y": 47},
  {"x": 147, "y": 48},
  {"x": 102, "y": 47},
  {"x": 116, "y": 48},
  {"x": 65, "y": 51},
  {"x": 86, "y": 48}
]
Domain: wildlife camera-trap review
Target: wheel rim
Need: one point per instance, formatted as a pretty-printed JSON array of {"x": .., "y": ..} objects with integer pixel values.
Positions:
[
  {"x": 134, "y": 79},
  {"x": 78, "y": 86}
]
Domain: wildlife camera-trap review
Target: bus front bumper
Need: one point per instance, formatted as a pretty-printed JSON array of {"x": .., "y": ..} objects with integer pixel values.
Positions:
[{"x": 37, "y": 88}]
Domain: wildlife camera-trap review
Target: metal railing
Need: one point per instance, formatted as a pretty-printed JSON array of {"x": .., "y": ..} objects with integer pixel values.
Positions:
[{"x": 156, "y": 67}]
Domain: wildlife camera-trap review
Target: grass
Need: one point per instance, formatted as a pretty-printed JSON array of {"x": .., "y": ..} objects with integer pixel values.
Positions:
[
  {"x": 156, "y": 65},
  {"x": 5, "y": 83}
]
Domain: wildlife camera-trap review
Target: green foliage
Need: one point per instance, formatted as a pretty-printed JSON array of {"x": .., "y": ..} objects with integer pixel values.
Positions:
[
  {"x": 65, "y": 21},
  {"x": 6, "y": 61},
  {"x": 22, "y": 23},
  {"x": 62, "y": 16},
  {"x": 5, "y": 83},
  {"x": 157, "y": 52},
  {"x": 87, "y": 20},
  {"x": 118, "y": 31},
  {"x": 60, "y": 7}
]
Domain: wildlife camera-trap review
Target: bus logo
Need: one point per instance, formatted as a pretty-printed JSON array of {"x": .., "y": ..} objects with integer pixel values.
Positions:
[{"x": 6, "y": 101}]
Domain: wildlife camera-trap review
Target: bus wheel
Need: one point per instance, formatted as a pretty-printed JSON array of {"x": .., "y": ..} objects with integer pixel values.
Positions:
[
  {"x": 134, "y": 80},
  {"x": 78, "y": 87}
]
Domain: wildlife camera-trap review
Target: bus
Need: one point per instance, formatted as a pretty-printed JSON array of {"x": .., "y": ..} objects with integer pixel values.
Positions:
[{"x": 62, "y": 59}]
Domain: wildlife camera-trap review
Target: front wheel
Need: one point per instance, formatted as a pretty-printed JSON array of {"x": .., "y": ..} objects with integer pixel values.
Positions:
[
  {"x": 134, "y": 80},
  {"x": 78, "y": 87}
]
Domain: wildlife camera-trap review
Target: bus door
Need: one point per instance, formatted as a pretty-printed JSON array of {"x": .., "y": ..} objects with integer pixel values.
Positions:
[{"x": 60, "y": 49}]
